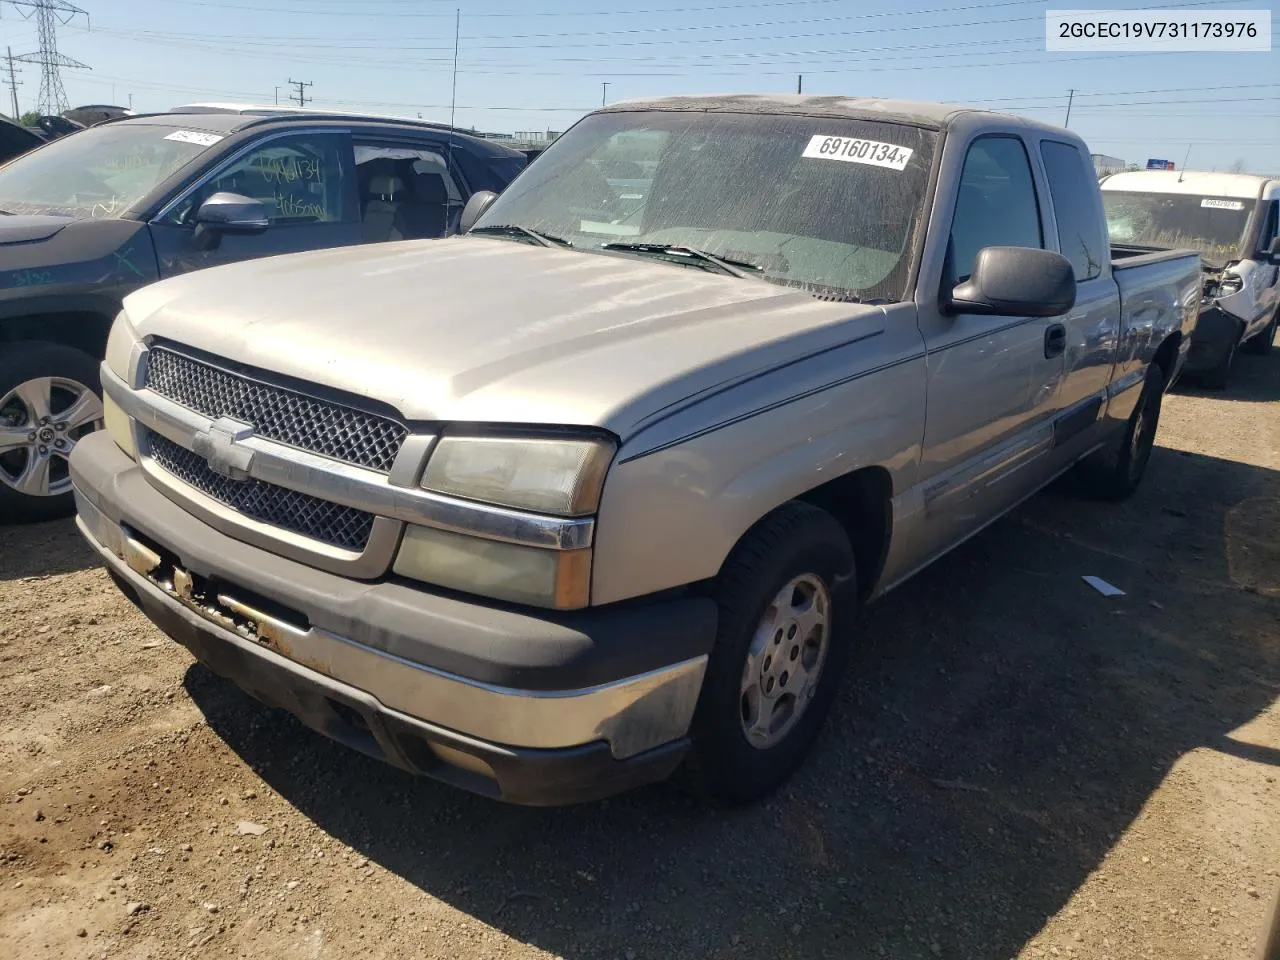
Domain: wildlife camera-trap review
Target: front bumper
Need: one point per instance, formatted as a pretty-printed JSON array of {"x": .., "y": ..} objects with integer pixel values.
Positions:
[{"x": 535, "y": 708}]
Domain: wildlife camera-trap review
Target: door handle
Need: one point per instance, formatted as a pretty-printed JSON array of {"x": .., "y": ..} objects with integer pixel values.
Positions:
[{"x": 1055, "y": 341}]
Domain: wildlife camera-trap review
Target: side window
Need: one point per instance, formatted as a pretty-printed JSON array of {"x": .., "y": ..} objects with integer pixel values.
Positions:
[
  {"x": 298, "y": 179},
  {"x": 406, "y": 193},
  {"x": 1080, "y": 233},
  {"x": 996, "y": 205},
  {"x": 1270, "y": 226}
]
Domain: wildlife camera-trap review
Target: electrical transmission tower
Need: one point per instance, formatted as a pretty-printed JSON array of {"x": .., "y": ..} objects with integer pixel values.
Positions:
[
  {"x": 12, "y": 82},
  {"x": 301, "y": 96},
  {"x": 48, "y": 14}
]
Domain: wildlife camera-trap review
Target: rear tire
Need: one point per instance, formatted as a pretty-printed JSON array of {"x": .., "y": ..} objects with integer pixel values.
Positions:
[
  {"x": 50, "y": 397},
  {"x": 785, "y": 596},
  {"x": 1115, "y": 473},
  {"x": 1261, "y": 342}
]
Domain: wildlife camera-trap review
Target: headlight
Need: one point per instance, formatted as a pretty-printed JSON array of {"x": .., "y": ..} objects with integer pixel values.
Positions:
[
  {"x": 559, "y": 476},
  {"x": 560, "y": 579},
  {"x": 120, "y": 345}
]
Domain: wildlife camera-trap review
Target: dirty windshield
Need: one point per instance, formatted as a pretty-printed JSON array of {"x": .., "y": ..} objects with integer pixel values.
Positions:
[
  {"x": 1212, "y": 225},
  {"x": 829, "y": 206},
  {"x": 100, "y": 172}
]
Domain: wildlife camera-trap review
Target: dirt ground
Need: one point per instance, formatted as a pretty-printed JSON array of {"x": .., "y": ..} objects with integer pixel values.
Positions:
[{"x": 1017, "y": 766}]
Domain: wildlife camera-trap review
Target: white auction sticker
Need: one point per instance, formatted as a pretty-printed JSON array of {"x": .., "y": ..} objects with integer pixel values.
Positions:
[
  {"x": 194, "y": 136},
  {"x": 856, "y": 150},
  {"x": 1222, "y": 204}
]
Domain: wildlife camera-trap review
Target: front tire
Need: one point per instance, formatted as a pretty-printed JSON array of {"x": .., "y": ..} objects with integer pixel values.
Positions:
[
  {"x": 49, "y": 399},
  {"x": 785, "y": 596},
  {"x": 1216, "y": 377},
  {"x": 1261, "y": 342}
]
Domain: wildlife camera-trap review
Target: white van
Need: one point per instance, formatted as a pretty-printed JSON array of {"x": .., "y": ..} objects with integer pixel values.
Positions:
[{"x": 1233, "y": 219}]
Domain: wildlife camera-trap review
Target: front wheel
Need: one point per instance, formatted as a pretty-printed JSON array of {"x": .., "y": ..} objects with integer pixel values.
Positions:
[
  {"x": 1115, "y": 473},
  {"x": 1260, "y": 343},
  {"x": 48, "y": 401},
  {"x": 785, "y": 594}
]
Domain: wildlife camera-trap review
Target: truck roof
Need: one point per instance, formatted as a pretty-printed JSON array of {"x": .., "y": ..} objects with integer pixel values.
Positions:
[
  {"x": 1243, "y": 186},
  {"x": 918, "y": 112}
]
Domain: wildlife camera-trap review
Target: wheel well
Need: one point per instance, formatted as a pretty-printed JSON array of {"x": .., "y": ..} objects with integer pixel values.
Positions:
[
  {"x": 1167, "y": 354},
  {"x": 84, "y": 330},
  {"x": 860, "y": 502}
]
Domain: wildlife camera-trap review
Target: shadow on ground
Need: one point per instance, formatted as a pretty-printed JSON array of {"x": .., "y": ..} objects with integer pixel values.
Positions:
[
  {"x": 1252, "y": 380},
  {"x": 43, "y": 550},
  {"x": 1002, "y": 725}
]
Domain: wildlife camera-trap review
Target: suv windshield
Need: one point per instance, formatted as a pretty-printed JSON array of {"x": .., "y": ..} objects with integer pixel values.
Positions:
[
  {"x": 830, "y": 206},
  {"x": 1212, "y": 225},
  {"x": 100, "y": 172}
]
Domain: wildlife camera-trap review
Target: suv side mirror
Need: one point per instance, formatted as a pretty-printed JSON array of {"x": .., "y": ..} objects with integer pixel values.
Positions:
[
  {"x": 1016, "y": 282},
  {"x": 475, "y": 208},
  {"x": 228, "y": 213},
  {"x": 1273, "y": 249}
]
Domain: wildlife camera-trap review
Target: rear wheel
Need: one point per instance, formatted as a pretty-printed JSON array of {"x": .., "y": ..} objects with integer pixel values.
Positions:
[
  {"x": 785, "y": 595},
  {"x": 1260, "y": 343},
  {"x": 1115, "y": 473},
  {"x": 49, "y": 399}
]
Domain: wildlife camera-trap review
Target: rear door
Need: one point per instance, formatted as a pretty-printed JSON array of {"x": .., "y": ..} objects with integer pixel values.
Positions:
[
  {"x": 408, "y": 187},
  {"x": 305, "y": 180},
  {"x": 1093, "y": 325}
]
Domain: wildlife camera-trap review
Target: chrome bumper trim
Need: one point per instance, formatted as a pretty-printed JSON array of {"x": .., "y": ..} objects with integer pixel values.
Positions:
[
  {"x": 354, "y": 486},
  {"x": 632, "y": 715}
]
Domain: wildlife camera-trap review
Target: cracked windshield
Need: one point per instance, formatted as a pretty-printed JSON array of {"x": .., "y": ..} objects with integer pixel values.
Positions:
[
  {"x": 833, "y": 212},
  {"x": 1211, "y": 225},
  {"x": 98, "y": 173}
]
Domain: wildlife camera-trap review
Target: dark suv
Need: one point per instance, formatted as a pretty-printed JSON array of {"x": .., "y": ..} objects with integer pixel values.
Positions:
[{"x": 90, "y": 218}]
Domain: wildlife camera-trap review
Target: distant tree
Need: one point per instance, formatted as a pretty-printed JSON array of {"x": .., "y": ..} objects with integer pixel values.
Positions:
[
  {"x": 30, "y": 118},
  {"x": 1237, "y": 166}
]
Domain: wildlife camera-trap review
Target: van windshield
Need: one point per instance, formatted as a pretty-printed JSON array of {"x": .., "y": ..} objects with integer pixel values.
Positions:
[
  {"x": 829, "y": 206},
  {"x": 1212, "y": 225},
  {"x": 100, "y": 172}
]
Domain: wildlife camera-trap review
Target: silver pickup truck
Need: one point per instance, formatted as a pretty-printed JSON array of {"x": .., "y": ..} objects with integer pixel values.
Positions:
[{"x": 550, "y": 508}]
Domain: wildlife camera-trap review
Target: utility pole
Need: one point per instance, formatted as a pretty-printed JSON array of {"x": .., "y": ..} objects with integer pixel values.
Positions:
[
  {"x": 1071, "y": 95},
  {"x": 301, "y": 95},
  {"x": 799, "y": 83},
  {"x": 277, "y": 96},
  {"x": 13, "y": 83},
  {"x": 604, "y": 92}
]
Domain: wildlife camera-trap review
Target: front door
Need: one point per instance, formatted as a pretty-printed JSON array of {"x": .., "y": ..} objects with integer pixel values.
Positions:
[
  {"x": 992, "y": 381},
  {"x": 305, "y": 181}
]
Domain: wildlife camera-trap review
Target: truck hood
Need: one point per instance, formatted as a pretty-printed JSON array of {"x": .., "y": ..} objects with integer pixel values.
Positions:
[
  {"x": 488, "y": 330},
  {"x": 21, "y": 228}
]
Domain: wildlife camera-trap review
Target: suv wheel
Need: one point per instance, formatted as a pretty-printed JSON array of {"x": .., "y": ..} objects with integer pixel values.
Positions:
[
  {"x": 48, "y": 400},
  {"x": 785, "y": 594},
  {"x": 1260, "y": 343}
]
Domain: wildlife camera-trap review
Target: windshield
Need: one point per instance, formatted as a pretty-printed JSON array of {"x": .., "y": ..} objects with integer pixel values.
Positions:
[
  {"x": 100, "y": 172},
  {"x": 1212, "y": 225},
  {"x": 829, "y": 206}
]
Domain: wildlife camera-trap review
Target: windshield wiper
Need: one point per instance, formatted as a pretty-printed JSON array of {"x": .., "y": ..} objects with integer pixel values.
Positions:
[
  {"x": 727, "y": 265},
  {"x": 515, "y": 230}
]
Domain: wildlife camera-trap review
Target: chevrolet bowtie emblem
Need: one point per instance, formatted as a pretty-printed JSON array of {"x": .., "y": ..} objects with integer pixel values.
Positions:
[{"x": 221, "y": 445}]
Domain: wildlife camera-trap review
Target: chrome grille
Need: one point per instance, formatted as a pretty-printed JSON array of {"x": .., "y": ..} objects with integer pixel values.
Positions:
[
  {"x": 277, "y": 413},
  {"x": 309, "y": 516}
]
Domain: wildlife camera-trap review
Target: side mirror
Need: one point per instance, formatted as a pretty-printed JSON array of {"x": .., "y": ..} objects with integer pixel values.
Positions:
[
  {"x": 475, "y": 208},
  {"x": 229, "y": 213},
  {"x": 1273, "y": 249},
  {"x": 1016, "y": 282}
]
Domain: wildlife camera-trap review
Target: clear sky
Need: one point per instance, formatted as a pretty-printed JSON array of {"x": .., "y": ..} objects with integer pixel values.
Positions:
[{"x": 540, "y": 65}]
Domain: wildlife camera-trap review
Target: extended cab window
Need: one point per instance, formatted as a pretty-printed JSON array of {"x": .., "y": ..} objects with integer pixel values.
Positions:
[
  {"x": 1072, "y": 189},
  {"x": 996, "y": 205},
  {"x": 298, "y": 179}
]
